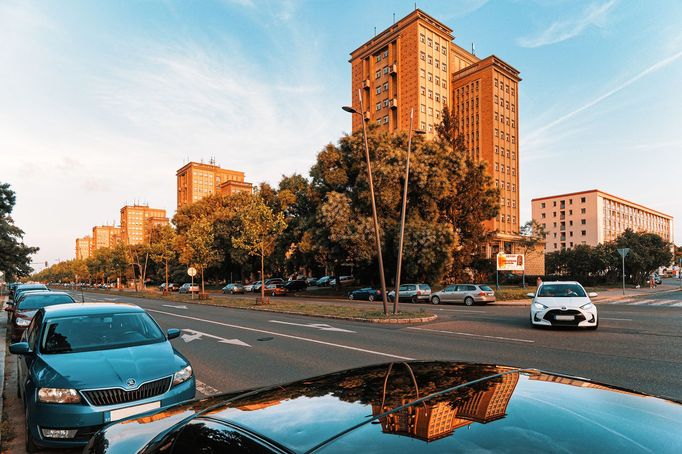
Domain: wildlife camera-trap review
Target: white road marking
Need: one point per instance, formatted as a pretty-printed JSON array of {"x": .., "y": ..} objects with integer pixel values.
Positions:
[
  {"x": 174, "y": 307},
  {"x": 305, "y": 339},
  {"x": 461, "y": 310},
  {"x": 621, "y": 319},
  {"x": 471, "y": 334},
  {"x": 206, "y": 390},
  {"x": 221, "y": 340},
  {"x": 677, "y": 305},
  {"x": 320, "y": 326},
  {"x": 661, "y": 303},
  {"x": 639, "y": 303}
]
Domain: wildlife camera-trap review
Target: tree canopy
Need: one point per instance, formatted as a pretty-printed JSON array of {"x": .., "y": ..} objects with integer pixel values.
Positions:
[{"x": 15, "y": 255}]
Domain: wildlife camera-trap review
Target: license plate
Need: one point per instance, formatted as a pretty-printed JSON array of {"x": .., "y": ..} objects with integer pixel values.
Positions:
[
  {"x": 564, "y": 317},
  {"x": 121, "y": 413}
]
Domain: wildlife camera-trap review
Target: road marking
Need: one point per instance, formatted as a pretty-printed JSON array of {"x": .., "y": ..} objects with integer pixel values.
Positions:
[
  {"x": 677, "y": 305},
  {"x": 305, "y": 339},
  {"x": 206, "y": 390},
  {"x": 639, "y": 303},
  {"x": 320, "y": 326},
  {"x": 460, "y": 310},
  {"x": 661, "y": 303},
  {"x": 470, "y": 334},
  {"x": 194, "y": 335},
  {"x": 174, "y": 307},
  {"x": 621, "y": 319}
]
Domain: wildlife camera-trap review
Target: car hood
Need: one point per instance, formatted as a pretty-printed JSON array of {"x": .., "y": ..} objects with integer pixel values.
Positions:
[
  {"x": 568, "y": 302},
  {"x": 107, "y": 368},
  {"x": 425, "y": 407}
]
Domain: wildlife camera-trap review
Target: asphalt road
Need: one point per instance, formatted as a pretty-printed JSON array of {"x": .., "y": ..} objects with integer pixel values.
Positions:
[{"x": 636, "y": 346}]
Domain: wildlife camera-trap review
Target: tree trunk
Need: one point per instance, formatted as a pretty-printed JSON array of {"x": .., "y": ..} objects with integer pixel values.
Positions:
[
  {"x": 262, "y": 276},
  {"x": 202, "y": 279},
  {"x": 165, "y": 290},
  {"x": 144, "y": 272}
]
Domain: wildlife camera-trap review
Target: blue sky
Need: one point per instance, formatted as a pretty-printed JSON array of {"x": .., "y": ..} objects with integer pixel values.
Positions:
[{"x": 101, "y": 102}]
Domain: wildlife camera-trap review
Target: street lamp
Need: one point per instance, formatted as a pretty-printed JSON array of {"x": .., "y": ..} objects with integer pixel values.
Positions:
[
  {"x": 377, "y": 235},
  {"x": 402, "y": 216}
]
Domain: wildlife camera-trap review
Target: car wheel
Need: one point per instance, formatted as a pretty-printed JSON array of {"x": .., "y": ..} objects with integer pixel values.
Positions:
[
  {"x": 414, "y": 300},
  {"x": 350, "y": 296},
  {"x": 469, "y": 301},
  {"x": 371, "y": 297},
  {"x": 30, "y": 444},
  {"x": 435, "y": 300}
]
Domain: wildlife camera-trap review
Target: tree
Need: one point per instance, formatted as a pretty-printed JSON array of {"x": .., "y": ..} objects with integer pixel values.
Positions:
[
  {"x": 648, "y": 252},
  {"x": 197, "y": 246},
  {"x": 532, "y": 235},
  {"x": 162, "y": 246},
  {"x": 258, "y": 230},
  {"x": 15, "y": 256}
]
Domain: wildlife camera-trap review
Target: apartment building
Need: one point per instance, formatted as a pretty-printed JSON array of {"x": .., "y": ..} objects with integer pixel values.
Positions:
[
  {"x": 414, "y": 65},
  {"x": 197, "y": 180},
  {"x": 593, "y": 217},
  {"x": 136, "y": 221},
  {"x": 83, "y": 248},
  {"x": 105, "y": 236}
]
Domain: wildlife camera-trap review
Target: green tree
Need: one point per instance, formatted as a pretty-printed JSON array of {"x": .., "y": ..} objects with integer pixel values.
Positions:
[
  {"x": 15, "y": 255},
  {"x": 258, "y": 231},
  {"x": 532, "y": 235},
  {"x": 198, "y": 246},
  {"x": 648, "y": 252},
  {"x": 162, "y": 245}
]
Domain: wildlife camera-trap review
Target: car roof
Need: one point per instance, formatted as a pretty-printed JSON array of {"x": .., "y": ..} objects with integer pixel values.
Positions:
[
  {"x": 27, "y": 295},
  {"x": 561, "y": 282},
  {"x": 30, "y": 286},
  {"x": 66, "y": 310}
]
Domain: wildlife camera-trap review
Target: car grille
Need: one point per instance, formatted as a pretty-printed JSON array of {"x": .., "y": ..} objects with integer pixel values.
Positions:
[
  {"x": 114, "y": 396},
  {"x": 550, "y": 317}
]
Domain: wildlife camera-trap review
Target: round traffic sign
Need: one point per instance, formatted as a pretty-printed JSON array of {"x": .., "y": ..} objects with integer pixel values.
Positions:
[{"x": 192, "y": 271}]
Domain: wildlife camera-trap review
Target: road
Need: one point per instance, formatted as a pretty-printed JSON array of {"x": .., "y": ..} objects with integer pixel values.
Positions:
[{"x": 636, "y": 346}]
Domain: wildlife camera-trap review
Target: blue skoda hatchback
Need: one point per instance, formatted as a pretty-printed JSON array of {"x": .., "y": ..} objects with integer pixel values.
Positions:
[{"x": 84, "y": 365}]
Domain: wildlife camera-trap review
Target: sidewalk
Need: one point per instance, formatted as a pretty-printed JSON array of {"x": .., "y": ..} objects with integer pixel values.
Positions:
[{"x": 3, "y": 345}]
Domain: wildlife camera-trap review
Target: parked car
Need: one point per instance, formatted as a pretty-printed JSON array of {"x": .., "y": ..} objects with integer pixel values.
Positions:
[
  {"x": 311, "y": 280},
  {"x": 249, "y": 287},
  {"x": 367, "y": 293},
  {"x": 296, "y": 285},
  {"x": 563, "y": 304},
  {"x": 468, "y": 294},
  {"x": 276, "y": 290},
  {"x": 274, "y": 280},
  {"x": 233, "y": 289},
  {"x": 171, "y": 287},
  {"x": 27, "y": 287},
  {"x": 499, "y": 409},
  {"x": 189, "y": 288},
  {"x": 323, "y": 281},
  {"x": 84, "y": 365},
  {"x": 413, "y": 293},
  {"x": 26, "y": 307}
]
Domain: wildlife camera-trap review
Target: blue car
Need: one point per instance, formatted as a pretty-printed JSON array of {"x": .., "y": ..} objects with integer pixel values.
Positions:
[
  {"x": 84, "y": 365},
  {"x": 365, "y": 294}
]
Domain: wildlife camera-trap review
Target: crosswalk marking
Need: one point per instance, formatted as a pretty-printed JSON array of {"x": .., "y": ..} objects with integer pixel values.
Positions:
[{"x": 649, "y": 302}]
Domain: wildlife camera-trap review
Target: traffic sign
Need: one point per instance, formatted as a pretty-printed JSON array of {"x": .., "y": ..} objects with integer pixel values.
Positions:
[
  {"x": 624, "y": 251},
  {"x": 192, "y": 271}
]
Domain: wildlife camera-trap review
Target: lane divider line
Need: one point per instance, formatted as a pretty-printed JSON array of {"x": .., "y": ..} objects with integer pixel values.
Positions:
[
  {"x": 304, "y": 339},
  {"x": 471, "y": 334}
]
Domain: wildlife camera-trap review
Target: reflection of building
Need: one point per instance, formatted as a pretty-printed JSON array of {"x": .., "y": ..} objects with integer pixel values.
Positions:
[
  {"x": 593, "y": 217},
  {"x": 577, "y": 382},
  {"x": 430, "y": 422},
  {"x": 105, "y": 236},
  {"x": 198, "y": 180},
  {"x": 135, "y": 221},
  {"x": 83, "y": 248}
]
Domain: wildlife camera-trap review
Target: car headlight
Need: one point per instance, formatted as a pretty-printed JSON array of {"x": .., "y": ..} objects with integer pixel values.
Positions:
[
  {"x": 23, "y": 321},
  {"x": 182, "y": 375},
  {"x": 587, "y": 307},
  {"x": 58, "y": 396},
  {"x": 539, "y": 306}
]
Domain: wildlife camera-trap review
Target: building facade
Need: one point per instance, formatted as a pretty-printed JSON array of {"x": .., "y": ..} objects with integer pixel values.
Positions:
[
  {"x": 105, "y": 236},
  {"x": 136, "y": 221},
  {"x": 414, "y": 65},
  {"x": 593, "y": 217},
  {"x": 197, "y": 180},
  {"x": 83, "y": 248}
]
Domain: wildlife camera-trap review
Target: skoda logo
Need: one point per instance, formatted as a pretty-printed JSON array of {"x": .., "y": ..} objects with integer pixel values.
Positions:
[
  {"x": 563, "y": 308},
  {"x": 130, "y": 382}
]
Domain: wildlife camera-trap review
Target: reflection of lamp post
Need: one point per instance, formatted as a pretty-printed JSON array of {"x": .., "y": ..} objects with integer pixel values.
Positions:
[
  {"x": 402, "y": 216},
  {"x": 377, "y": 235}
]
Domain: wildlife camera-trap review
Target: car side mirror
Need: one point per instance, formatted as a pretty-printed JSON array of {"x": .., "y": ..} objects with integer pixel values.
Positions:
[
  {"x": 592, "y": 294},
  {"x": 20, "y": 348},
  {"x": 172, "y": 333},
  {"x": 530, "y": 295}
]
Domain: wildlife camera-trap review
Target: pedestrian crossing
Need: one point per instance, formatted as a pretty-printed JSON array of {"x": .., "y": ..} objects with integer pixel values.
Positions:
[{"x": 649, "y": 302}]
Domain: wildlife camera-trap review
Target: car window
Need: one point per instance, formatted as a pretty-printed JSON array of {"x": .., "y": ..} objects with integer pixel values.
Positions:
[
  {"x": 461, "y": 288},
  {"x": 486, "y": 288},
  {"x": 99, "y": 332},
  {"x": 33, "y": 330},
  {"x": 32, "y": 302},
  {"x": 471, "y": 288},
  {"x": 450, "y": 288},
  {"x": 403, "y": 288},
  {"x": 411, "y": 287},
  {"x": 424, "y": 286},
  {"x": 561, "y": 291}
]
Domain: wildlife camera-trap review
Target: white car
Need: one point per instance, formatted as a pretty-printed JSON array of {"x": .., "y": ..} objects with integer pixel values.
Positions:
[{"x": 563, "y": 304}]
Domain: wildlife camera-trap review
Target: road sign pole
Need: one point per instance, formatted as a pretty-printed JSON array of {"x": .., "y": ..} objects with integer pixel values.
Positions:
[
  {"x": 623, "y": 275},
  {"x": 623, "y": 252}
]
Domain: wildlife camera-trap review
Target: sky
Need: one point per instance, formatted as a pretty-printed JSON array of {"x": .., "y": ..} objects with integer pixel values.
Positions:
[{"x": 101, "y": 102}]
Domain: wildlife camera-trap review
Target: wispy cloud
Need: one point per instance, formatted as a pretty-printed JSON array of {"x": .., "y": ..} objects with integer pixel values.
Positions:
[{"x": 594, "y": 15}]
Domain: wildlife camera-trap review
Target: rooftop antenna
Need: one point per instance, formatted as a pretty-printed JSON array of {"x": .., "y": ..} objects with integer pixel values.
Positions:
[
  {"x": 473, "y": 49},
  {"x": 393, "y": 18},
  {"x": 415, "y": 6},
  {"x": 375, "y": 32}
]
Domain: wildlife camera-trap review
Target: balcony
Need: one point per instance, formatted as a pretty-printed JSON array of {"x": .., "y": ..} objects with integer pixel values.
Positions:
[
  {"x": 366, "y": 84},
  {"x": 394, "y": 103},
  {"x": 394, "y": 69}
]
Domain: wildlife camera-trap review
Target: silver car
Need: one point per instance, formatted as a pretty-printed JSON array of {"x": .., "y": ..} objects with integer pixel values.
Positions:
[
  {"x": 413, "y": 293},
  {"x": 468, "y": 294}
]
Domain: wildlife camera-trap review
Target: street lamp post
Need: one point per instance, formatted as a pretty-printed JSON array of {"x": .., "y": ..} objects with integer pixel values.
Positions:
[
  {"x": 402, "y": 215},
  {"x": 377, "y": 235}
]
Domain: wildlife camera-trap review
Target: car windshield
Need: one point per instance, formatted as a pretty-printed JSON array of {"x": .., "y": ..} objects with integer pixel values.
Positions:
[
  {"x": 36, "y": 301},
  {"x": 99, "y": 332},
  {"x": 561, "y": 291}
]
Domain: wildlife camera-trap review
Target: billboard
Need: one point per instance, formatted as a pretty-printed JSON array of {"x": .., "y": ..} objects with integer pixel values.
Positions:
[{"x": 510, "y": 262}]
